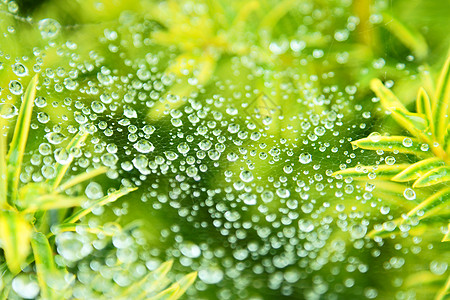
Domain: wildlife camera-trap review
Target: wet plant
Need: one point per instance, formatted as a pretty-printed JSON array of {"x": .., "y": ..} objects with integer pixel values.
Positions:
[
  {"x": 31, "y": 214},
  {"x": 428, "y": 149}
]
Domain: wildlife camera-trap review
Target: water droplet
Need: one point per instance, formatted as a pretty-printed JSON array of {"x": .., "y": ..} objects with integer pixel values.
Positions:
[
  {"x": 25, "y": 286},
  {"x": 305, "y": 158},
  {"x": 246, "y": 176},
  {"x": 407, "y": 142},
  {"x": 8, "y": 111},
  {"x": 94, "y": 191},
  {"x": 19, "y": 69},
  {"x": 409, "y": 194},
  {"x": 55, "y": 138},
  {"x": 49, "y": 28},
  {"x": 210, "y": 275},
  {"x": 190, "y": 250},
  {"x": 143, "y": 146},
  {"x": 15, "y": 87},
  {"x": 358, "y": 231}
]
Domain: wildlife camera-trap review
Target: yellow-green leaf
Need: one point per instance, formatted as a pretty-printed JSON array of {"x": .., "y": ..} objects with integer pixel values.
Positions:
[
  {"x": 15, "y": 233},
  {"x": 184, "y": 283},
  {"x": 410, "y": 38},
  {"x": 436, "y": 201},
  {"x": 418, "y": 169},
  {"x": 445, "y": 291},
  {"x": 415, "y": 123},
  {"x": 52, "y": 201},
  {"x": 441, "y": 101},
  {"x": 97, "y": 203},
  {"x": 167, "y": 294},
  {"x": 65, "y": 227},
  {"x": 435, "y": 176},
  {"x": 3, "y": 167},
  {"x": 151, "y": 283},
  {"x": 19, "y": 140},
  {"x": 423, "y": 105},
  {"x": 372, "y": 172},
  {"x": 402, "y": 144},
  {"x": 61, "y": 169},
  {"x": 45, "y": 265},
  {"x": 81, "y": 178},
  {"x": 446, "y": 237}
]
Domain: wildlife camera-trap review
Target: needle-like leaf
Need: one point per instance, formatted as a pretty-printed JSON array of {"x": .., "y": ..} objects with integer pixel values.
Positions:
[
  {"x": 19, "y": 140},
  {"x": 435, "y": 176},
  {"x": 100, "y": 202},
  {"x": 402, "y": 144},
  {"x": 418, "y": 169},
  {"x": 438, "y": 200},
  {"x": 372, "y": 172},
  {"x": 45, "y": 265},
  {"x": 61, "y": 169},
  {"x": 15, "y": 233},
  {"x": 441, "y": 101}
]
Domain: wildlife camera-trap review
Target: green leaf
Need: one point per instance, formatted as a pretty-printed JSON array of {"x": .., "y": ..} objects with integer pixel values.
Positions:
[
  {"x": 446, "y": 237},
  {"x": 15, "y": 233},
  {"x": 418, "y": 169},
  {"x": 81, "y": 178},
  {"x": 435, "y": 176},
  {"x": 167, "y": 294},
  {"x": 411, "y": 39},
  {"x": 445, "y": 291},
  {"x": 19, "y": 140},
  {"x": 441, "y": 102},
  {"x": 423, "y": 106},
  {"x": 151, "y": 283},
  {"x": 184, "y": 283},
  {"x": 3, "y": 167},
  {"x": 97, "y": 203},
  {"x": 45, "y": 265},
  {"x": 402, "y": 144},
  {"x": 372, "y": 172},
  {"x": 53, "y": 201},
  {"x": 61, "y": 170},
  {"x": 415, "y": 123},
  {"x": 65, "y": 227},
  {"x": 436, "y": 201}
]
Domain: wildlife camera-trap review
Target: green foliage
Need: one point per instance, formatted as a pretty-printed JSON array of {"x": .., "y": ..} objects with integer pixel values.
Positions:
[{"x": 429, "y": 126}]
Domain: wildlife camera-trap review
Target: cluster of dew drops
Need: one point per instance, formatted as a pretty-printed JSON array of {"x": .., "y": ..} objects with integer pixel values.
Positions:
[{"x": 273, "y": 206}]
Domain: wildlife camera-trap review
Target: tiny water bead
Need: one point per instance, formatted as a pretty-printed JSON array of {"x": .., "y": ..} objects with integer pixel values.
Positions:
[
  {"x": 409, "y": 194},
  {"x": 49, "y": 28},
  {"x": 15, "y": 87}
]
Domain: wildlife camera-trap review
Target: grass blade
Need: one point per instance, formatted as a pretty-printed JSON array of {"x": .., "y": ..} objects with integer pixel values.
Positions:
[
  {"x": 441, "y": 101},
  {"x": 19, "y": 140},
  {"x": 61, "y": 170},
  {"x": 402, "y": 144},
  {"x": 100, "y": 202},
  {"x": 372, "y": 172},
  {"x": 15, "y": 233},
  {"x": 45, "y": 265},
  {"x": 418, "y": 169},
  {"x": 435, "y": 176}
]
